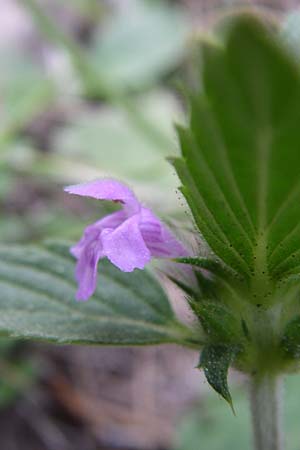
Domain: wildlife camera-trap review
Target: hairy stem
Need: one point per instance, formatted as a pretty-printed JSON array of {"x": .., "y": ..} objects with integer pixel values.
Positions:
[{"x": 266, "y": 408}]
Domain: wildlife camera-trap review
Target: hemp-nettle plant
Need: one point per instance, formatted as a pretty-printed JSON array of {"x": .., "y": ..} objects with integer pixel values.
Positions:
[{"x": 240, "y": 175}]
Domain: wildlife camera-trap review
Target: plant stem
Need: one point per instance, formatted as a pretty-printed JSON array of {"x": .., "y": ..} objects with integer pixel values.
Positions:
[{"x": 266, "y": 408}]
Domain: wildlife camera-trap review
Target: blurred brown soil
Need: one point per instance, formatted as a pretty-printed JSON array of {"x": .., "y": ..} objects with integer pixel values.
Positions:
[{"x": 103, "y": 399}]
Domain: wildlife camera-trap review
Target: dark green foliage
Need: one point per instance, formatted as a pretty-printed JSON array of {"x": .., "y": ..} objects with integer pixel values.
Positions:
[
  {"x": 240, "y": 165},
  {"x": 240, "y": 174},
  {"x": 217, "y": 321},
  {"x": 215, "y": 361},
  {"x": 37, "y": 301},
  {"x": 291, "y": 338}
]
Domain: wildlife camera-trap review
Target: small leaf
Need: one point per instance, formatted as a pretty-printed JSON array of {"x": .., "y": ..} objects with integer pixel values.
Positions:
[
  {"x": 217, "y": 320},
  {"x": 215, "y": 360},
  {"x": 291, "y": 338},
  {"x": 213, "y": 265},
  {"x": 37, "y": 300}
]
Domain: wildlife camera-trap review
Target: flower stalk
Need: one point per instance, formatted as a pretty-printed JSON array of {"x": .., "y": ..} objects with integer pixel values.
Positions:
[{"x": 266, "y": 408}]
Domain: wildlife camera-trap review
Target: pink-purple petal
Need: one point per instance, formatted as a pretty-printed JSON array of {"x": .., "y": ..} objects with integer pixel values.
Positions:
[
  {"x": 129, "y": 238},
  {"x": 107, "y": 189},
  {"x": 125, "y": 246},
  {"x": 87, "y": 270},
  {"x": 159, "y": 240}
]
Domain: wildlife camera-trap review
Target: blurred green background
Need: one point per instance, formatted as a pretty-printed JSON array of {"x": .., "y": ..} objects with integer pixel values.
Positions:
[{"x": 91, "y": 88}]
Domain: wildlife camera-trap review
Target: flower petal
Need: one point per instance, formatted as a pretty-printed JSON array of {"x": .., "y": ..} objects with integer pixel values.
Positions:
[
  {"x": 125, "y": 246},
  {"x": 92, "y": 232},
  {"x": 107, "y": 189},
  {"x": 86, "y": 270},
  {"x": 159, "y": 240}
]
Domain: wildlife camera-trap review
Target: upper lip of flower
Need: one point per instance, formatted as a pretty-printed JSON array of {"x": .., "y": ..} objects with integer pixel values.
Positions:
[{"x": 107, "y": 189}]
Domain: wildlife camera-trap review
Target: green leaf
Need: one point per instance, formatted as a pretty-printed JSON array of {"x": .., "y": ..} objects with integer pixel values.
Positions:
[
  {"x": 37, "y": 300},
  {"x": 16, "y": 379},
  {"x": 213, "y": 265},
  {"x": 217, "y": 321},
  {"x": 210, "y": 421},
  {"x": 240, "y": 165},
  {"x": 215, "y": 361},
  {"x": 291, "y": 338},
  {"x": 81, "y": 149},
  {"x": 134, "y": 50},
  {"x": 26, "y": 93}
]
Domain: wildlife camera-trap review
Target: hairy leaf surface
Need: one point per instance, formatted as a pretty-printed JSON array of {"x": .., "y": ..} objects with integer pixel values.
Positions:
[
  {"x": 37, "y": 300},
  {"x": 240, "y": 165},
  {"x": 215, "y": 361}
]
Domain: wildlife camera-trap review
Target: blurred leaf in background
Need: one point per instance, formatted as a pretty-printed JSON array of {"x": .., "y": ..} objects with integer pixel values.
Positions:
[
  {"x": 17, "y": 372},
  {"x": 211, "y": 425},
  {"x": 26, "y": 92},
  {"x": 290, "y": 30},
  {"x": 126, "y": 134},
  {"x": 140, "y": 45},
  {"x": 103, "y": 142}
]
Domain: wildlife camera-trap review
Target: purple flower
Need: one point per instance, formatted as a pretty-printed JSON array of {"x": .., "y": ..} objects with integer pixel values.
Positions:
[{"x": 129, "y": 238}]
